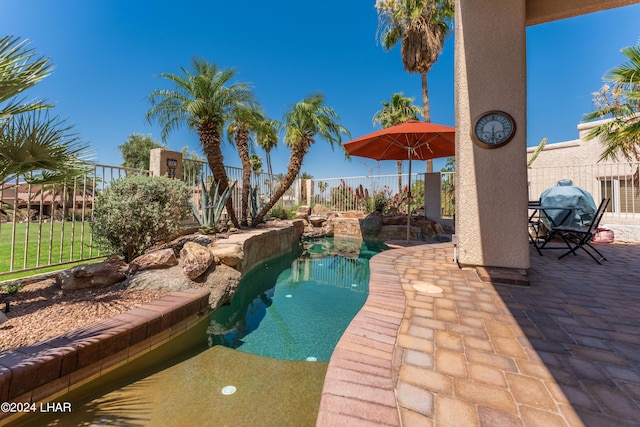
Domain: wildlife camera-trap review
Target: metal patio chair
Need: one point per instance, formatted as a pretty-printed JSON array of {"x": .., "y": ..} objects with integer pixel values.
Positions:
[{"x": 580, "y": 237}]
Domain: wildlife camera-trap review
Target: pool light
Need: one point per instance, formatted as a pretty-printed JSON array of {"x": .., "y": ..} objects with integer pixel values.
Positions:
[{"x": 228, "y": 390}]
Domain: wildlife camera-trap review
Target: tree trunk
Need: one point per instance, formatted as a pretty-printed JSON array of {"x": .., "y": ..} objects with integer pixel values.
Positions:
[
  {"x": 267, "y": 155},
  {"x": 426, "y": 111},
  {"x": 298, "y": 151},
  {"x": 399, "y": 164},
  {"x": 242, "y": 138},
  {"x": 210, "y": 140}
]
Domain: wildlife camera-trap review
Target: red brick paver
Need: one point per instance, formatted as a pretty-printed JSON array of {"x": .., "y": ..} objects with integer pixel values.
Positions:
[{"x": 564, "y": 351}]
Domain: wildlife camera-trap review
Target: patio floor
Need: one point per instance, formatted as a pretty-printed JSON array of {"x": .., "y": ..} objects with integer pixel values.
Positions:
[{"x": 564, "y": 351}]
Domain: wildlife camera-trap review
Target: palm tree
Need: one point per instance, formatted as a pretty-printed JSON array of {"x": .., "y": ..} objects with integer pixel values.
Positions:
[
  {"x": 244, "y": 120},
  {"x": 267, "y": 139},
  {"x": 303, "y": 123},
  {"x": 421, "y": 26},
  {"x": 202, "y": 101},
  {"x": 399, "y": 110},
  {"x": 620, "y": 102}
]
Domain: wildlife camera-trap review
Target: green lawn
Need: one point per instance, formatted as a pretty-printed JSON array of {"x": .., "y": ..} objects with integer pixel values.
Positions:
[{"x": 51, "y": 252}]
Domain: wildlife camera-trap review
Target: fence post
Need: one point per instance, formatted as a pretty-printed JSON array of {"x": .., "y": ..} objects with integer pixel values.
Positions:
[
  {"x": 165, "y": 162},
  {"x": 305, "y": 191}
]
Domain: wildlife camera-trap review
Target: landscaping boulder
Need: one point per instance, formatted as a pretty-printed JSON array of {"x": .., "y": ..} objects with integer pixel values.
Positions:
[
  {"x": 97, "y": 275},
  {"x": 228, "y": 254},
  {"x": 163, "y": 258},
  {"x": 321, "y": 210},
  {"x": 303, "y": 212},
  {"x": 317, "y": 220},
  {"x": 196, "y": 259},
  {"x": 371, "y": 224},
  {"x": 223, "y": 285},
  {"x": 172, "y": 279},
  {"x": 178, "y": 244}
]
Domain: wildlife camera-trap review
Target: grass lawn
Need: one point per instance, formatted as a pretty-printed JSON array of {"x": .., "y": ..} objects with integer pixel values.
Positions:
[{"x": 51, "y": 251}]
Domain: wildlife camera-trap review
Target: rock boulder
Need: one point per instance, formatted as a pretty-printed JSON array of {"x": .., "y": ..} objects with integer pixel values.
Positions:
[
  {"x": 97, "y": 275},
  {"x": 228, "y": 254},
  {"x": 163, "y": 258},
  {"x": 196, "y": 259},
  {"x": 223, "y": 285}
]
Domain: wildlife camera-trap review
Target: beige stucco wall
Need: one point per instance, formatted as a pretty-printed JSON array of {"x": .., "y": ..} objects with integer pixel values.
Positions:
[
  {"x": 491, "y": 184},
  {"x": 575, "y": 152},
  {"x": 159, "y": 159}
]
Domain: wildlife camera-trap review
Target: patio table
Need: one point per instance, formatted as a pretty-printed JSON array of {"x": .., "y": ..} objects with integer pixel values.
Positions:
[{"x": 542, "y": 211}]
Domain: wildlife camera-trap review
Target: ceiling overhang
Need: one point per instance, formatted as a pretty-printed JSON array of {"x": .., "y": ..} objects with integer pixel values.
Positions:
[{"x": 541, "y": 11}]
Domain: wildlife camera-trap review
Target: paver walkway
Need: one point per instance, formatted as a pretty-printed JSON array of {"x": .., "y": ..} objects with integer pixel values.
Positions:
[{"x": 564, "y": 351}]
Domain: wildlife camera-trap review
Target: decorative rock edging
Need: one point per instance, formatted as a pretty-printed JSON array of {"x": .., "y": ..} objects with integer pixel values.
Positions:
[{"x": 54, "y": 367}]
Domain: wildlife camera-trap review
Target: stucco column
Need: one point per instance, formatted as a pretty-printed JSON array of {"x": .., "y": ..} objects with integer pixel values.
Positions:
[{"x": 491, "y": 184}]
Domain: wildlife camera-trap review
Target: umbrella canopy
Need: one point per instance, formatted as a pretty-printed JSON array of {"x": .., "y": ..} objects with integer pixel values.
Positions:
[{"x": 412, "y": 140}]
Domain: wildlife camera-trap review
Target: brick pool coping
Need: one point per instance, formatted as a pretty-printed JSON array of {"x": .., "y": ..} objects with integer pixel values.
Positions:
[
  {"x": 359, "y": 388},
  {"x": 54, "y": 367}
]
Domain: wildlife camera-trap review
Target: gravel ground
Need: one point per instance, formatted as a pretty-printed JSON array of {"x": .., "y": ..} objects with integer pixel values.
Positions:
[{"x": 41, "y": 310}]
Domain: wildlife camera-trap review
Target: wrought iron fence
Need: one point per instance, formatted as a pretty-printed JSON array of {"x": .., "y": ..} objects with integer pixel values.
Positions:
[
  {"x": 195, "y": 172},
  {"x": 368, "y": 193},
  {"x": 447, "y": 194},
  {"x": 49, "y": 225},
  {"x": 618, "y": 181}
]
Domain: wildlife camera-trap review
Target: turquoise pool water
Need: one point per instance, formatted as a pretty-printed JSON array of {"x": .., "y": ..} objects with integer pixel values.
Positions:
[{"x": 297, "y": 308}]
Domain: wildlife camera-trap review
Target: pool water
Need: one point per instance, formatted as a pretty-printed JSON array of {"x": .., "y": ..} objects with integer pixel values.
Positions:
[
  {"x": 297, "y": 307},
  {"x": 292, "y": 309}
]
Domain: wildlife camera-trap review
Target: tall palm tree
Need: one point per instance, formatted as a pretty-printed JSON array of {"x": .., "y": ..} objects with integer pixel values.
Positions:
[
  {"x": 399, "y": 110},
  {"x": 267, "y": 139},
  {"x": 620, "y": 102},
  {"x": 303, "y": 123},
  {"x": 245, "y": 119},
  {"x": 421, "y": 27},
  {"x": 202, "y": 100}
]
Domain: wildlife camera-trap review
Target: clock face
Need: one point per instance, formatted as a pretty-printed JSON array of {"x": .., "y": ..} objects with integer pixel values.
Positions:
[{"x": 494, "y": 129}]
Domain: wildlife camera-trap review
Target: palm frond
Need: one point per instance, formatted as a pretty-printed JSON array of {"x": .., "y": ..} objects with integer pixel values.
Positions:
[{"x": 33, "y": 142}]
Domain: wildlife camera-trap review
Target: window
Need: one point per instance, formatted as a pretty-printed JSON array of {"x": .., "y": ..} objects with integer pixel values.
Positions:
[{"x": 624, "y": 193}]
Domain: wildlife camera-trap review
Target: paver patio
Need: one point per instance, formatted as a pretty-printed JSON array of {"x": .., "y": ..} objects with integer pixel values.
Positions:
[{"x": 564, "y": 351}]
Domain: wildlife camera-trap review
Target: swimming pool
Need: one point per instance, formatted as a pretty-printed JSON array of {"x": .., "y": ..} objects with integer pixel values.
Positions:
[
  {"x": 291, "y": 309},
  {"x": 297, "y": 307}
]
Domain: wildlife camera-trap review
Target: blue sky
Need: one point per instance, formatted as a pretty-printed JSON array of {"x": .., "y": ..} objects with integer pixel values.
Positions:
[{"x": 108, "y": 53}]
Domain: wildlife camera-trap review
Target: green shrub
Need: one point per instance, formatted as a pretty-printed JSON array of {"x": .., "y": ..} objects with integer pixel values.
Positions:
[
  {"x": 281, "y": 213},
  {"x": 12, "y": 288},
  {"x": 136, "y": 212}
]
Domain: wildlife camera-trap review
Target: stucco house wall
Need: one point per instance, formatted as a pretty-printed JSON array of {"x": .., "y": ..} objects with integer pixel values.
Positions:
[{"x": 578, "y": 160}]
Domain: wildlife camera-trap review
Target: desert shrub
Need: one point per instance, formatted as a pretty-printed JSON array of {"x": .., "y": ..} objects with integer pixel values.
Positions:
[
  {"x": 343, "y": 197},
  {"x": 136, "y": 212},
  {"x": 281, "y": 213}
]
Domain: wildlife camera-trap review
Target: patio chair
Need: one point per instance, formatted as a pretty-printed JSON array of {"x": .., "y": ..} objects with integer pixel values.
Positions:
[
  {"x": 535, "y": 225},
  {"x": 580, "y": 237}
]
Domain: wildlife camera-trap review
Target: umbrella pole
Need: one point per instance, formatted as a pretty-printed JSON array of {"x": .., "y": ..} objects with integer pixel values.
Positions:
[{"x": 409, "y": 199}]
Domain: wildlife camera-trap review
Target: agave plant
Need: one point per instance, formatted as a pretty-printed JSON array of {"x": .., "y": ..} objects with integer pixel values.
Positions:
[
  {"x": 212, "y": 205},
  {"x": 255, "y": 204}
]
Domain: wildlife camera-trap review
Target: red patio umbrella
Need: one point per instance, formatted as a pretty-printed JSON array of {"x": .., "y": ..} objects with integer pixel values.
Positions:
[{"x": 412, "y": 140}]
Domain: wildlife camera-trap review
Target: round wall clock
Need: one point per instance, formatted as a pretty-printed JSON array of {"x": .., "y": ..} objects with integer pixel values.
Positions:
[{"x": 493, "y": 129}]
